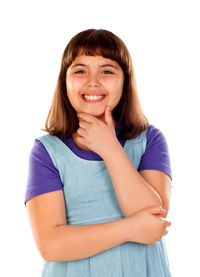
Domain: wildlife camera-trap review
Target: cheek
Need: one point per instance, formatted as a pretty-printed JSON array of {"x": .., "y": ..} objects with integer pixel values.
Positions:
[
  {"x": 69, "y": 84},
  {"x": 117, "y": 87},
  {"x": 73, "y": 84}
]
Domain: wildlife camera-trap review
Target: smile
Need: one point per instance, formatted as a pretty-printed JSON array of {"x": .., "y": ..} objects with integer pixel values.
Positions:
[{"x": 93, "y": 98}]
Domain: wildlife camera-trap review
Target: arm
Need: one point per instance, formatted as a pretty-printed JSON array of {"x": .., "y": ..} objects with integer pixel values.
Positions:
[
  {"x": 132, "y": 190},
  {"x": 57, "y": 241}
]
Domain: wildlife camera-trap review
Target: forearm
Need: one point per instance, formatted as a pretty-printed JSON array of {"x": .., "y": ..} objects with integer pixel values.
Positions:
[
  {"x": 132, "y": 191},
  {"x": 73, "y": 242}
]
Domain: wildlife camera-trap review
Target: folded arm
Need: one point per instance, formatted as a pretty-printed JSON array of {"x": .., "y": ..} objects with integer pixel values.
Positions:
[
  {"x": 135, "y": 190},
  {"x": 57, "y": 241}
]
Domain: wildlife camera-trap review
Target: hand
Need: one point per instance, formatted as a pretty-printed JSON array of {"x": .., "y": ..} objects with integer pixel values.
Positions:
[
  {"x": 97, "y": 135},
  {"x": 148, "y": 225}
]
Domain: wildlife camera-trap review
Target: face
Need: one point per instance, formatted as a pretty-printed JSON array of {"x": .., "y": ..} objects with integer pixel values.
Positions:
[{"x": 93, "y": 82}]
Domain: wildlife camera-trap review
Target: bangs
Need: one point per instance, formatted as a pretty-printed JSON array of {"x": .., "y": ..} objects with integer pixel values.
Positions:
[
  {"x": 62, "y": 117},
  {"x": 95, "y": 43}
]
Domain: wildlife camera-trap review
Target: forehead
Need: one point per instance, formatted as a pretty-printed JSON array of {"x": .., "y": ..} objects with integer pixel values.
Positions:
[{"x": 97, "y": 60}]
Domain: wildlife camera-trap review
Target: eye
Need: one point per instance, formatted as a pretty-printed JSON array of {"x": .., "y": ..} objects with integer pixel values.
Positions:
[
  {"x": 107, "y": 72},
  {"x": 80, "y": 72}
]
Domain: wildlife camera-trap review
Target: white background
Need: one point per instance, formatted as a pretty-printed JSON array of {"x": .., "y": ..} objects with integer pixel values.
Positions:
[{"x": 163, "y": 39}]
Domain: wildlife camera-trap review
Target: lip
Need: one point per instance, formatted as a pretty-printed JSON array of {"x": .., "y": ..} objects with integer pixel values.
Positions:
[
  {"x": 93, "y": 101},
  {"x": 92, "y": 93}
]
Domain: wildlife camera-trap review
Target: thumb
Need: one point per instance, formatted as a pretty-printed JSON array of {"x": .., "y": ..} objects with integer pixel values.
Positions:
[{"x": 108, "y": 116}]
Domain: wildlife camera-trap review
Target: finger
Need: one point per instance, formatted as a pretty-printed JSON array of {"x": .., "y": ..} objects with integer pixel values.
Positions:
[
  {"x": 81, "y": 132},
  {"x": 87, "y": 117},
  {"x": 166, "y": 223},
  {"x": 165, "y": 232},
  {"x": 80, "y": 139},
  {"x": 108, "y": 116},
  {"x": 157, "y": 210},
  {"x": 84, "y": 125}
]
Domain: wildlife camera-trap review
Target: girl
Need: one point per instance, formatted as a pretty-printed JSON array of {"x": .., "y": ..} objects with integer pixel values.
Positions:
[{"x": 98, "y": 190}]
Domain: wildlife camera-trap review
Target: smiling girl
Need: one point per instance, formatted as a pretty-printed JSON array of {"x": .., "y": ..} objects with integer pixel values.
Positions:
[{"x": 99, "y": 184}]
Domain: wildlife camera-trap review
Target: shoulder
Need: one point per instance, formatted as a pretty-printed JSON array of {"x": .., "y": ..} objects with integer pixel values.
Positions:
[
  {"x": 155, "y": 138},
  {"x": 39, "y": 157},
  {"x": 153, "y": 132},
  {"x": 38, "y": 149},
  {"x": 156, "y": 155},
  {"x": 38, "y": 145},
  {"x": 43, "y": 176}
]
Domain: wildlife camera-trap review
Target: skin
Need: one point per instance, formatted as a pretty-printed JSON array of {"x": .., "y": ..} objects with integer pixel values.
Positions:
[
  {"x": 144, "y": 220},
  {"x": 96, "y": 132},
  {"x": 96, "y": 74}
]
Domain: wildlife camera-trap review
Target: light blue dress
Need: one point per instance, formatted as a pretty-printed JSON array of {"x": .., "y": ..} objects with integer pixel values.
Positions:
[{"x": 90, "y": 199}]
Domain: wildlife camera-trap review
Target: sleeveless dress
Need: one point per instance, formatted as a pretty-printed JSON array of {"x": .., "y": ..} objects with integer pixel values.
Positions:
[{"x": 90, "y": 199}]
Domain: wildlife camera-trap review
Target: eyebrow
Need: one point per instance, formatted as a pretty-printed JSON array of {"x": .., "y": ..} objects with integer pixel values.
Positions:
[{"x": 104, "y": 65}]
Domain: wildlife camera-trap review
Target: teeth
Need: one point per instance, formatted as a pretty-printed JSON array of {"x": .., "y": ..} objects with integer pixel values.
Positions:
[{"x": 92, "y": 97}]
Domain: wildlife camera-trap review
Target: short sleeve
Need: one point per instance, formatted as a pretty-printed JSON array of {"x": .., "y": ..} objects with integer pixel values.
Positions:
[
  {"x": 156, "y": 155},
  {"x": 43, "y": 176}
]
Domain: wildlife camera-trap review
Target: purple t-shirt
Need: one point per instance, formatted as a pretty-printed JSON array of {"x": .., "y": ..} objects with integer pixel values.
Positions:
[{"x": 44, "y": 177}]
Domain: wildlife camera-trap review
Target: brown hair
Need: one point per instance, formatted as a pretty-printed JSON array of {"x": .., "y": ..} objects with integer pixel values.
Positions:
[{"x": 62, "y": 118}]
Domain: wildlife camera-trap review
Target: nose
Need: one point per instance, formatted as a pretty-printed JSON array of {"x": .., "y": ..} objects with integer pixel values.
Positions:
[{"x": 93, "y": 80}]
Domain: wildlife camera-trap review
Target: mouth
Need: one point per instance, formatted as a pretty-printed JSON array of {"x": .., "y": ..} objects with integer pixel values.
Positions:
[{"x": 93, "y": 98}]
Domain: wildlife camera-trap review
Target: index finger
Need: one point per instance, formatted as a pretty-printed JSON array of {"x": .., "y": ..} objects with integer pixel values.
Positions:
[
  {"x": 87, "y": 117},
  {"x": 167, "y": 222}
]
